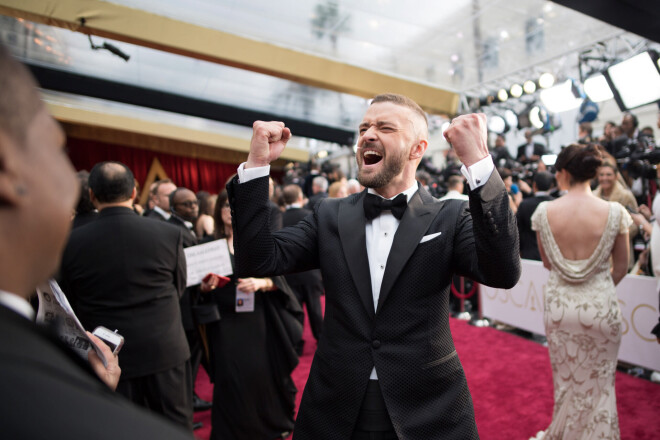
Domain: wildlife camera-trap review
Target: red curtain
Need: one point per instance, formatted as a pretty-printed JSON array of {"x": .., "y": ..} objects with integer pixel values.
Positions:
[{"x": 194, "y": 174}]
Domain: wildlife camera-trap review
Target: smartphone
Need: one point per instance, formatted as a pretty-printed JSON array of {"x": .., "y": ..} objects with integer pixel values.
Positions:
[{"x": 113, "y": 339}]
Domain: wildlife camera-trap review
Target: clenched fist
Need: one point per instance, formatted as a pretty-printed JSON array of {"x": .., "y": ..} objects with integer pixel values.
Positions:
[
  {"x": 268, "y": 141},
  {"x": 467, "y": 134}
]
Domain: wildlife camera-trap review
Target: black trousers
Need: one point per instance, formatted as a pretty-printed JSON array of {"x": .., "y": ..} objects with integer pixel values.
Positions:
[
  {"x": 168, "y": 393},
  {"x": 373, "y": 421}
]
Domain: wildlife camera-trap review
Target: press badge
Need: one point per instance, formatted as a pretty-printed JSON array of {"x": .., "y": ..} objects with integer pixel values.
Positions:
[{"x": 244, "y": 302}]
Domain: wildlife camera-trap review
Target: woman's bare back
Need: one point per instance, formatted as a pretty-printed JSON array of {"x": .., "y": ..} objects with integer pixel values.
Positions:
[{"x": 577, "y": 223}]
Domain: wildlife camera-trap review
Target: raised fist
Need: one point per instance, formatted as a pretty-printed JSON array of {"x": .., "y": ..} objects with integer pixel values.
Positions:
[
  {"x": 268, "y": 141},
  {"x": 467, "y": 135}
]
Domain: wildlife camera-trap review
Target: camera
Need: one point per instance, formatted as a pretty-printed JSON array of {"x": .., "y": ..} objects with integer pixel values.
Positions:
[
  {"x": 113, "y": 339},
  {"x": 639, "y": 158}
]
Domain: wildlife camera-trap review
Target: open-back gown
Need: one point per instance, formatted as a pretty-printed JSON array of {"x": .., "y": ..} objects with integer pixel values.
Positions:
[{"x": 583, "y": 326}]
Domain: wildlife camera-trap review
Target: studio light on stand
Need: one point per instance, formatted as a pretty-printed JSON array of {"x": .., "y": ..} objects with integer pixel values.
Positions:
[
  {"x": 516, "y": 91},
  {"x": 597, "y": 89},
  {"x": 635, "y": 81},
  {"x": 529, "y": 87},
  {"x": 497, "y": 124},
  {"x": 538, "y": 116},
  {"x": 510, "y": 118},
  {"x": 562, "y": 97}
]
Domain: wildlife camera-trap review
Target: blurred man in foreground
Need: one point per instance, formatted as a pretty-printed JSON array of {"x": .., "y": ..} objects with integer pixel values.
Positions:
[{"x": 38, "y": 191}]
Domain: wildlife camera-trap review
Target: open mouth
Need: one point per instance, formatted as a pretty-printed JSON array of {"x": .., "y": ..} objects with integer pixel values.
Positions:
[{"x": 371, "y": 157}]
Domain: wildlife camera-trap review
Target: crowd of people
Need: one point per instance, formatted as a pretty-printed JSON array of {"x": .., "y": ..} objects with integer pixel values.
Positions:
[{"x": 381, "y": 248}]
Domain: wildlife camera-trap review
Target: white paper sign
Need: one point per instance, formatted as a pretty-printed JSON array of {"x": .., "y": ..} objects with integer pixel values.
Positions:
[{"x": 207, "y": 258}]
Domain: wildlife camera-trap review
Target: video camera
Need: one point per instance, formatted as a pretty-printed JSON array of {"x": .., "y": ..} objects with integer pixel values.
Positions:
[{"x": 638, "y": 157}]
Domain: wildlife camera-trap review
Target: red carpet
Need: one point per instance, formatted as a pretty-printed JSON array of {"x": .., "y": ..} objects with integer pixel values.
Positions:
[{"x": 511, "y": 384}]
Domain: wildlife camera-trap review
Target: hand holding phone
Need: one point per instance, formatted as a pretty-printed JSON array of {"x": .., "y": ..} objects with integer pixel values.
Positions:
[{"x": 113, "y": 339}]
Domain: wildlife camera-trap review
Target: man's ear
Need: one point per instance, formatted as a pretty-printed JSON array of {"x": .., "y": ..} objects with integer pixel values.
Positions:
[
  {"x": 11, "y": 188},
  {"x": 417, "y": 152},
  {"x": 93, "y": 199},
  {"x": 134, "y": 193}
]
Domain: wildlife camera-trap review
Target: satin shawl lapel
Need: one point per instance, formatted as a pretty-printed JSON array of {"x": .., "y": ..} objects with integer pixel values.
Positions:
[
  {"x": 421, "y": 211},
  {"x": 351, "y": 224}
]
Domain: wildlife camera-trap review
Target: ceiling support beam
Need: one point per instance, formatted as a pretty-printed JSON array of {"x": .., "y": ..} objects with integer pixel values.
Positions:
[{"x": 150, "y": 30}]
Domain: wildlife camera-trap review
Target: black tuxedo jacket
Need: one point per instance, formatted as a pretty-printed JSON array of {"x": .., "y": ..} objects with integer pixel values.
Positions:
[
  {"x": 529, "y": 248},
  {"x": 49, "y": 392},
  {"x": 408, "y": 338},
  {"x": 539, "y": 150},
  {"x": 190, "y": 293},
  {"x": 155, "y": 215},
  {"x": 127, "y": 272},
  {"x": 291, "y": 217}
]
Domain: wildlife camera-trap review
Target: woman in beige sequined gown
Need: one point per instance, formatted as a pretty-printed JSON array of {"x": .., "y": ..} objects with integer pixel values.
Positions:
[{"x": 584, "y": 243}]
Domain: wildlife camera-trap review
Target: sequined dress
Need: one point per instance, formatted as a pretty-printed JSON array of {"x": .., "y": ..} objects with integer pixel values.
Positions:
[{"x": 583, "y": 326}]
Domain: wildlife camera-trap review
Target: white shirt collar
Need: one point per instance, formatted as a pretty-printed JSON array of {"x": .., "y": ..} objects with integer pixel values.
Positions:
[
  {"x": 17, "y": 304},
  {"x": 409, "y": 192},
  {"x": 162, "y": 212},
  {"x": 294, "y": 205}
]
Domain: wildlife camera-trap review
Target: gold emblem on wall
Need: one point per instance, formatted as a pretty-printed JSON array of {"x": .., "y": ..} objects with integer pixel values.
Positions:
[{"x": 156, "y": 172}]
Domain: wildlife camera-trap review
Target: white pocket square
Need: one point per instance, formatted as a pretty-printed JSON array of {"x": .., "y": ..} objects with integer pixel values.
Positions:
[{"x": 429, "y": 237}]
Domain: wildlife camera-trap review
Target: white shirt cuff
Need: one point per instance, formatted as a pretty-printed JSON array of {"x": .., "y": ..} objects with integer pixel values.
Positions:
[
  {"x": 251, "y": 173},
  {"x": 478, "y": 173}
]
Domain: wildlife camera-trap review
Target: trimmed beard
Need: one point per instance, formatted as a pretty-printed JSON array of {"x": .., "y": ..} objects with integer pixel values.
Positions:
[{"x": 392, "y": 167}]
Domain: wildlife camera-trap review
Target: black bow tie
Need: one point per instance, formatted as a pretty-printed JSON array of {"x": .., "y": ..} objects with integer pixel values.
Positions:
[{"x": 373, "y": 205}]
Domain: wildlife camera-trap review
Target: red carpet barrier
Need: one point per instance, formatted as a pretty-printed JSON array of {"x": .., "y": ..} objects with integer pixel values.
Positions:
[{"x": 522, "y": 307}]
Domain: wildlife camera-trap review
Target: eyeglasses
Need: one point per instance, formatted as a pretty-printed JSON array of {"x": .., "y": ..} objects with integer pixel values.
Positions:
[{"x": 188, "y": 203}]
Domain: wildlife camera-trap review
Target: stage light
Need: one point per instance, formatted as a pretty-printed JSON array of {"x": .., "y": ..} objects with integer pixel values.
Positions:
[
  {"x": 529, "y": 87},
  {"x": 502, "y": 95},
  {"x": 561, "y": 98},
  {"x": 597, "y": 89},
  {"x": 516, "y": 90},
  {"x": 537, "y": 117},
  {"x": 546, "y": 80},
  {"x": 635, "y": 81},
  {"x": 511, "y": 118},
  {"x": 496, "y": 124}
]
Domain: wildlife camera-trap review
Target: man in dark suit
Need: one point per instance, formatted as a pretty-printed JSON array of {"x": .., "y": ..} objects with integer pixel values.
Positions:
[
  {"x": 530, "y": 151},
  {"x": 307, "y": 285},
  {"x": 319, "y": 192},
  {"x": 275, "y": 212},
  {"x": 386, "y": 366},
  {"x": 126, "y": 272},
  {"x": 65, "y": 398},
  {"x": 161, "y": 200},
  {"x": 184, "y": 208},
  {"x": 541, "y": 185}
]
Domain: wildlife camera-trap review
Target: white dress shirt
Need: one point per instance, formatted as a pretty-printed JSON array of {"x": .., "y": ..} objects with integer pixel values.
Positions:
[
  {"x": 380, "y": 231},
  {"x": 17, "y": 304}
]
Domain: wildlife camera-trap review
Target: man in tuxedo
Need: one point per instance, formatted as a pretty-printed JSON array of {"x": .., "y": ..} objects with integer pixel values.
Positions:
[
  {"x": 530, "y": 151},
  {"x": 541, "y": 184},
  {"x": 47, "y": 390},
  {"x": 386, "y": 366},
  {"x": 307, "y": 285},
  {"x": 126, "y": 272},
  {"x": 161, "y": 200},
  {"x": 184, "y": 210}
]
